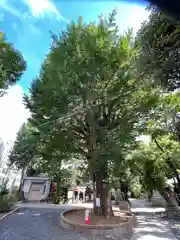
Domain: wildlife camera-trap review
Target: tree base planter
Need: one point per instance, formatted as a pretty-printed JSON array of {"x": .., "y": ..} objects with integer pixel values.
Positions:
[{"x": 115, "y": 226}]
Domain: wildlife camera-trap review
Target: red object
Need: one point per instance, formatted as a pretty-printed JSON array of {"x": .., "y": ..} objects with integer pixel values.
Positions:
[
  {"x": 53, "y": 187},
  {"x": 88, "y": 220}
]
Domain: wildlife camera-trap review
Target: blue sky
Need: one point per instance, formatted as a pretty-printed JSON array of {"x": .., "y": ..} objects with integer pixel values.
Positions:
[{"x": 27, "y": 25}]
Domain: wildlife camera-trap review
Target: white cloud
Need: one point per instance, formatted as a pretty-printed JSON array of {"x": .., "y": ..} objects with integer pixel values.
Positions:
[
  {"x": 40, "y": 8},
  {"x": 4, "y": 5},
  {"x": 13, "y": 113},
  {"x": 133, "y": 16},
  {"x": 138, "y": 15}
]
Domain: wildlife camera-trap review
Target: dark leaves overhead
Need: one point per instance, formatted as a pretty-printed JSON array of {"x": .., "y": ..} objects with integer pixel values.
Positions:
[{"x": 159, "y": 40}]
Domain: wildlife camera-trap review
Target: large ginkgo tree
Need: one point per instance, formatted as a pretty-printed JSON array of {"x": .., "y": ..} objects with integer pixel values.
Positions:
[{"x": 87, "y": 89}]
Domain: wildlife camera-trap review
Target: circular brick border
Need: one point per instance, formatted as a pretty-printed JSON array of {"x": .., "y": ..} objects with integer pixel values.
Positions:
[{"x": 116, "y": 230}]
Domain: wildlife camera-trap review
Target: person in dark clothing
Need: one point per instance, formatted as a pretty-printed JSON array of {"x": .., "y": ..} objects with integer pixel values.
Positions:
[
  {"x": 81, "y": 196},
  {"x": 75, "y": 195}
]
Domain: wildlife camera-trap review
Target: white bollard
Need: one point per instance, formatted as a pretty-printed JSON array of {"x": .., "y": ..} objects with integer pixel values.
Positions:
[{"x": 87, "y": 218}]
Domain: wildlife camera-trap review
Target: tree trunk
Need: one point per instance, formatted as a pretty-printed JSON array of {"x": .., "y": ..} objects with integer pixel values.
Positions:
[
  {"x": 21, "y": 192},
  {"x": 169, "y": 200},
  {"x": 101, "y": 191},
  {"x": 172, "y": 209},
  {"x": 57, "y": 192},
  {"x": 94, "y": 193},
  {"x": 99, "y": 173},
  {"x": 172, "y": 165},
  {"x": 177, "y": 191}
]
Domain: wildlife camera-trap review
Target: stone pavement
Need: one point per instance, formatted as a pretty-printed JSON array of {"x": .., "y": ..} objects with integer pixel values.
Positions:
[{"x": 149, "y": 225}]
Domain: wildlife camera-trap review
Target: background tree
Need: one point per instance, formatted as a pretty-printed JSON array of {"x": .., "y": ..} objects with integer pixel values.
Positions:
[
  {"x": 153, "y": 166},
  {"x": 12, "y": 64},
  {"x": 158, "y": 62},
  {"x": 38, "y": 154},
  {"x": 23, "y": 153},
  {"x": 159, "y": 43}
]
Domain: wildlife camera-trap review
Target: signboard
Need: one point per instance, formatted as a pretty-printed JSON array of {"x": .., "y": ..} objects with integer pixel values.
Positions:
[{"x": 98, "y": 202}]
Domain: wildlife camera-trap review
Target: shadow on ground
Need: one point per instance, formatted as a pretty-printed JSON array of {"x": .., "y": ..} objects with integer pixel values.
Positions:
[{"x": 151, "y": 227}]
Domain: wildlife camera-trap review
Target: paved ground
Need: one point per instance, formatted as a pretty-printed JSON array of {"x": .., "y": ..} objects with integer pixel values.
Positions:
[
  {"x": 174, "y": 224},
  {"x": 176, "y": 228},
  {"x": 42, "y": 223},
  {"x": 34, "y": 224},
  {"x": 151, "y": 226},
  {"x": 39, "y": 224}
]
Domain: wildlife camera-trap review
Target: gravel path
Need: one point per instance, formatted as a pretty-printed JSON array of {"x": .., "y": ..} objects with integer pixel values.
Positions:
[{"x": 35, "y": 224}]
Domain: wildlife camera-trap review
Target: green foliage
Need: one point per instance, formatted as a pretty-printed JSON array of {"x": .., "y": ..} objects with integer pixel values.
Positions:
[
  {"x": 89, "y": 103},
  {"x": 24, "y": 150},
  {"x": 6, "y": 203},
  {"x": 159, "y": 44},
  {"x": 136, "y": 189},
  {"x": 12, "y": 64},
  {"x": 62, "y": 198},
  {"x": 16, "y": 194},
  {"x": 155, "y": 166},
  {"x": 3, "y": 190},
  {"x": 99, "y": 96},
  {"x": 158, "y": 62}
]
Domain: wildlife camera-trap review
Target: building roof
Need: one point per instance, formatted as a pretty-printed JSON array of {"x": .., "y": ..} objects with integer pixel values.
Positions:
[{"x": 36, "y": 178}]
